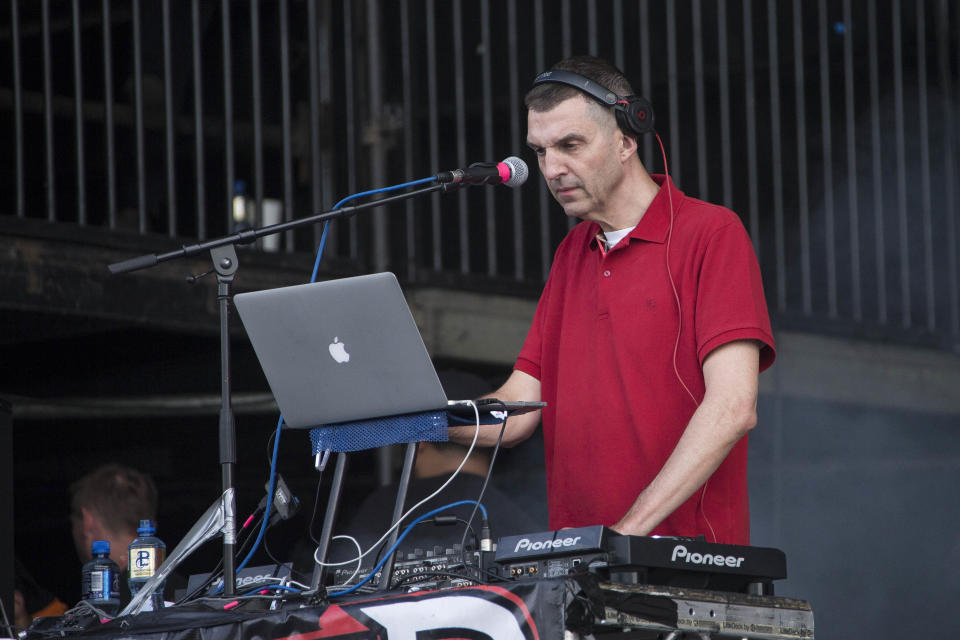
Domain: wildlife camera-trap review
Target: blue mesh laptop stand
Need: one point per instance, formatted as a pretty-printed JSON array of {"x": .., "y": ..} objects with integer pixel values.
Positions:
[
  {"x": 371, "y": 434},
  {"x": 360, "y": 435}
]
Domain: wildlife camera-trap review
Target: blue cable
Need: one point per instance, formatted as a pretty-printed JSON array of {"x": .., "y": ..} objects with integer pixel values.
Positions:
[
  {"x": 270, "y": 587},
  {"x": 313, "y": 278},
  {"x": 400, "y": 539}
]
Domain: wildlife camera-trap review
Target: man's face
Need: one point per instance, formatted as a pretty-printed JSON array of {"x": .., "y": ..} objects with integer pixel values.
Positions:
[
  {"x": 80, "y": 538},
  {"x": 577, "y": 146}
]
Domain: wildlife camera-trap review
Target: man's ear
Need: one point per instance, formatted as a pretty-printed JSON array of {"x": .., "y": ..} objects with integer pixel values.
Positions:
[
  {"x": 92, "y": 527},
  {"x": 628, "y": 146}
]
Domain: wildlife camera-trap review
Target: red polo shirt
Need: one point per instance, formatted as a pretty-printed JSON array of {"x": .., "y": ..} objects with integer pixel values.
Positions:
[{"x": 602, "y": 344}]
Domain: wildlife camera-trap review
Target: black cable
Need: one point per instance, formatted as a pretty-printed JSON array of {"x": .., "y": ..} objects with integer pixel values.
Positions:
[
  {"x": 267, "y": 550},
  {"x": 218, "y": 569},
  {"x": 313, "y": 516}
]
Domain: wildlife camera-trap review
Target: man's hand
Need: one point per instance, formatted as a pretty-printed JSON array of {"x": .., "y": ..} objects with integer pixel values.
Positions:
[
  {"x": 519, "y": 387},
  {"x": 727, "y": 413}
]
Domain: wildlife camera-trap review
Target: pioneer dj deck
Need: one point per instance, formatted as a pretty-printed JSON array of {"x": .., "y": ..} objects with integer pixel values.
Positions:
[{"x": 686, "y": 562}]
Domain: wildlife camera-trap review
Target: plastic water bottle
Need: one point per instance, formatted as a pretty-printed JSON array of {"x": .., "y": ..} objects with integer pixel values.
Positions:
[
  {"x": 100, "y": 582},
  {"x": 146, "y": 554}
]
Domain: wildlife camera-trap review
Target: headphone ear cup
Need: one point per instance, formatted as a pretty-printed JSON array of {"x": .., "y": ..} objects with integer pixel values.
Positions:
[{"x": 635, "y": 114}]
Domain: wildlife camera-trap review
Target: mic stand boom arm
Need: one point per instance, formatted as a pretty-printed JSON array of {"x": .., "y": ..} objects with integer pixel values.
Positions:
[
  {"x": 224, "y": 256},
  {"x": 250, "y": 235}
]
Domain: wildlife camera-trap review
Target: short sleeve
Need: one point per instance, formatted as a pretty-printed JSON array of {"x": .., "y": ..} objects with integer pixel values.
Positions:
[{"x": 730, "y": 300}]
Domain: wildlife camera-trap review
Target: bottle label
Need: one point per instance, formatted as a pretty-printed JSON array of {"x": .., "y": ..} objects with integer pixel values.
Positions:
[
  {"x": 144, "y": 561},
  {"x": 99, "y": 585}
]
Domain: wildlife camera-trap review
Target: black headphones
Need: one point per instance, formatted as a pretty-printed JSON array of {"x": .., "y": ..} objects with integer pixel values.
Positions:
[{"x": 634, "y": 114}]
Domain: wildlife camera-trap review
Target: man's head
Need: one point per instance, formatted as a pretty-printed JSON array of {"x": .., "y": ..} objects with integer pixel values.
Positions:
[
  {"x": 107, "y": 504},
  {"x": 589, "y": 163},
  {"x": 547, "y": 95}
]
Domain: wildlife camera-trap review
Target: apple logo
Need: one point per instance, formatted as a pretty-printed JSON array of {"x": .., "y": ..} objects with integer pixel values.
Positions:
[{"x": 338, "y": 352}]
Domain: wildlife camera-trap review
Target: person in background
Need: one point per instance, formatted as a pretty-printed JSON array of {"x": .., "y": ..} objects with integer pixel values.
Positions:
[
  {"x": 32, "y": 601},
  {"x": 108, "y": 504}
]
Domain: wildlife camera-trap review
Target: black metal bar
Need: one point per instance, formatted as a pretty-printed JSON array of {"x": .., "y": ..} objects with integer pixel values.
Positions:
[
  {"x": 877, "y": 204},
  {"x": 287, "y": 135},
  {"x": 376, "y": 152},
  {"x": 723, "y": 68},
  {"x": 228, "y": 146},
  {"x": 350, "y": 102},
  {"x": 314, "y": 86},
  {"x": 434, "y": 134},
  {"x": 750, "y": 100},
  {"x": 329, "y": 521},
  {"x": 673, "y": 112},
  {"x": 17, "y": 106},
  {"x": 198, "y": 120},
  {"x": 409, "y": 461},
  {"x": 853, "y": 210},
  {"x": 926, "y": 205},
  {"x": 406, "y": 70},
  {"x": 519, "y": 270},
  {"x": 48, "y": 114},
  {"x": 803, "y": 195},
  {"x": 703, "y": 180},
  {"x": 906, "y": 304},
  {"x": 618, "y": 56},
  {"x": 78, "y": 115},
  {"x": 487, "y": 84},
  {"x": 566, "y": 30},
  {"x": 947, "y": 91},
  {"x": 593, "y": 46},
  {"x": 826, "y": 132},
  {"x": 777, "y": 155},
  {"x": 168, "y": 124},
  {"x": 255, "y": 90},
  {"x": 646, "y": 77},
  {"x": 460, "y": 105},
  {"x": 108, "y": 123},
  {"x": 138, "y": 109},
  {"x": 542, "y": 204}
]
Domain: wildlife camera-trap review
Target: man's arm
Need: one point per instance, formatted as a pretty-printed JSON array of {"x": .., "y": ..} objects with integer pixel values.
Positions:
[
  {"x": 727, "y": 413},
  {"x": 519, "y": 387}
]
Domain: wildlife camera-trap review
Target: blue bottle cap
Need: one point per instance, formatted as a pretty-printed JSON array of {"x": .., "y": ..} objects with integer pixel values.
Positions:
[
  {"x": 146, "y": 526},
  {"x": 101, "y": 546}
]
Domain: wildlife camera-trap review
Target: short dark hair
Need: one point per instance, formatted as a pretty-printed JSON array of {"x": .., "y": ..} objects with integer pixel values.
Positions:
[
  {"x": 546, "y": 96},
  {"x": 120, "y": 496}
]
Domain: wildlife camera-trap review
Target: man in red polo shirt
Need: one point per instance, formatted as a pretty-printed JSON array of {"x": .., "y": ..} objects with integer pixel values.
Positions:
[{"x": 649, "y": 374}]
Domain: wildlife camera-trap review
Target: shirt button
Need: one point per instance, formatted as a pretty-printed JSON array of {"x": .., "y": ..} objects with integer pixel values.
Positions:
[{"x": 606, "y": 273}]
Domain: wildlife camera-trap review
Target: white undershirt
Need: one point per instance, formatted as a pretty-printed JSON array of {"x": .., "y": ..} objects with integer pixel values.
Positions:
[{"x": 613, "y": 237}]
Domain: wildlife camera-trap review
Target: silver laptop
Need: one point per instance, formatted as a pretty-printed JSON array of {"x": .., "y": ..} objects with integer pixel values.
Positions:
[{"x": 341, "y": 350}]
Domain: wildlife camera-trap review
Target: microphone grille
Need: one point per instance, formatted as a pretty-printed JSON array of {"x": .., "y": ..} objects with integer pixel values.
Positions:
[{"x": 518, "y": 171}]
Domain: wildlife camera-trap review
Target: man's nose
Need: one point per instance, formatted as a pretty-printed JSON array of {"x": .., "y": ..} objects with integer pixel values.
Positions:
[{"x": 552, "y": 165}]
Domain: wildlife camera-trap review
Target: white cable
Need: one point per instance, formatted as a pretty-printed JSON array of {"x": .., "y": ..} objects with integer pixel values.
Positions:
[
  {"x": 476, "y": 436},
  {"x": 359, "y": 561}
]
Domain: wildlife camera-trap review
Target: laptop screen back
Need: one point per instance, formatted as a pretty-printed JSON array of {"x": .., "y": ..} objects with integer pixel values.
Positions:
[{"x": 341, "y": 350}]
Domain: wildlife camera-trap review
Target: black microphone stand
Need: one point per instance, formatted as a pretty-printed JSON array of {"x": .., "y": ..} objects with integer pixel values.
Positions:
[{"x": 224, "y": 256}]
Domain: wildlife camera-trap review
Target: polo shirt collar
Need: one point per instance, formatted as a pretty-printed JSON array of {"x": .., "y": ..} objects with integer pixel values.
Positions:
[{"x": 655, "y": 223}]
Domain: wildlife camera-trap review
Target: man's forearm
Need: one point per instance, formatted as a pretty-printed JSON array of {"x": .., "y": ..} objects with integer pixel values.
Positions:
[
  {"x": 728, "y": 411},
  {"x": 709, "y": 437}
]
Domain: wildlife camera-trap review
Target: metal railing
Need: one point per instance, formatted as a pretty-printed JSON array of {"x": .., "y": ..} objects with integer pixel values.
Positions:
[{"x": 830, "y": 127}]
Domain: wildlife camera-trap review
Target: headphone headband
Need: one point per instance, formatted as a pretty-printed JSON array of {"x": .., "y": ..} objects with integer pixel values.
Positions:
[{"x": 633, "y": 113}]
